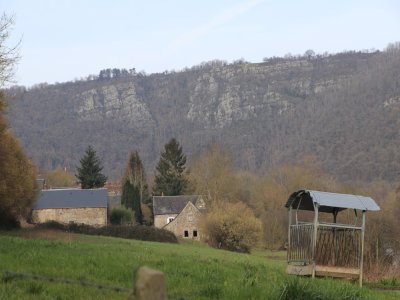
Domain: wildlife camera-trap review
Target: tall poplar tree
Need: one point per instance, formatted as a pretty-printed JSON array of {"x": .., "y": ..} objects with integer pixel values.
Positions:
[
  {"x": 135, "y": 189},
  {"x": 89, "y": 173},
  {"x": 136, "y": 175},
  {"x": 130, "y": 199},
  {"x": 170, "y": 179}
]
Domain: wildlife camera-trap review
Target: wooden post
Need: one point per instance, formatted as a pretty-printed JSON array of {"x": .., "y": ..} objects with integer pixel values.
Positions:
[
  {"x": 335, "y": 245},
  {"x": 290, "y": 223},
  {"x": 362, "y": 247},
  {"x": 150, "y": 284},
  {"x": 377, "y": 252},
  {"x": 314, "y": 246}
]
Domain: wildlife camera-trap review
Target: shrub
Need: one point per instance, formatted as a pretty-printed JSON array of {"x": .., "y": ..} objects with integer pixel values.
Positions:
[
  {"x": 232, "y": 227},
  {"x": 121, "y": 215},
  {"x": 8, "y": 221},
  {"x": 136, "y": 232},
  {"x": 51, "y": 225}
]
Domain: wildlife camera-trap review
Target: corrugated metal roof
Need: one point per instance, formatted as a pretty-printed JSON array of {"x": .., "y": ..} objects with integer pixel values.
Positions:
[
  {"x": 164, "y": 205},
  {"x": 329, "y": 202},
  {"x": 71, "y": 198}
]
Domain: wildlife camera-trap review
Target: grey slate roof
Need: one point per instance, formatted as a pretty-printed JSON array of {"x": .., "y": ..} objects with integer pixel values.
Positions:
[
  {"x": 165, "y": 205},
  {"x": 328, "y": 202},
  {"x": 72, "y": 198}
]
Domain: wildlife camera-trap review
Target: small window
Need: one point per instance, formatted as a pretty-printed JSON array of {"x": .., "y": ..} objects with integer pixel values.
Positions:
[
  {"x": 194, "y": 233},
  {"x": 186, "y": 233},
  {"x": 170, "y": 219}
]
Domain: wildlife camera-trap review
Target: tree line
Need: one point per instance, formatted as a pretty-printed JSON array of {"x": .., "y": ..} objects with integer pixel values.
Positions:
[
  {"x": 251, "y": 204},
  {"x": 170, "y": 179},
  {"x": 246, "y": 209}
]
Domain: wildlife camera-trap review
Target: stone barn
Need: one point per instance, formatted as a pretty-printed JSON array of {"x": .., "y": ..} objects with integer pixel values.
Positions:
[
  {"x": 84, "y": 206},
  {"x": 179, "y": 214}
]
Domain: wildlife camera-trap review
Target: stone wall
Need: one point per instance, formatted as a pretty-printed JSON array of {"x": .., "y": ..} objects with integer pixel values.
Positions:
[
  {"x": 187, "y": 221},
  {"x": 90, "y": 216},
  {"x": 161, "y": 220}
]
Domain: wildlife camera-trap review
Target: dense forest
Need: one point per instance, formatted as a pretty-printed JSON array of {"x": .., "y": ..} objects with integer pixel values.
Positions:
[{"x": 343, "y": 108}]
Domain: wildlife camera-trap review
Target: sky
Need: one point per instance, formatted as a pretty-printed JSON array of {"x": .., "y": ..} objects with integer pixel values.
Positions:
[{"x": 64, "y": 40}]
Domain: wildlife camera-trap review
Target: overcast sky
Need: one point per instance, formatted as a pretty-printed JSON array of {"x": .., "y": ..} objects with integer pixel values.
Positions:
[{"x": 67, "y": 39}]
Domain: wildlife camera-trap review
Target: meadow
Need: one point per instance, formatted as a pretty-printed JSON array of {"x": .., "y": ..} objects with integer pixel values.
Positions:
[{"x": 192, "y": 270}]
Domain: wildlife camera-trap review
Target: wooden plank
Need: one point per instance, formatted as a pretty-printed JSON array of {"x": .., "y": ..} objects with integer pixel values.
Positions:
[
  {"x": 337, "y": 272},
  {"x": 323, "y": 271},
  {"x": 299, "y": 270}
]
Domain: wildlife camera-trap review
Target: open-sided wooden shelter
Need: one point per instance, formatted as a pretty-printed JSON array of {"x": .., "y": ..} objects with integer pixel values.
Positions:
[{"x": 320, "y": 248}]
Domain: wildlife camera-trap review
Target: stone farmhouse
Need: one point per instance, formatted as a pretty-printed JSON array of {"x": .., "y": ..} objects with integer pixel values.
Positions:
[
  {"x": 84, "y": 206},
  {"x": 179, "y": 214}
]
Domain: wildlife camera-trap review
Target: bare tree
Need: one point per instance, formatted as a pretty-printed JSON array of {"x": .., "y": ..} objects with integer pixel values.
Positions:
[{"x": 8, "y": 55}]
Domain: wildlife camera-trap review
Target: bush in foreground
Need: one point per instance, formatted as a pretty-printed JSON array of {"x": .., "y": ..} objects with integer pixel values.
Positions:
[
  {"x": 137, "y": 232},
  {"x": 232, "y": 226}
]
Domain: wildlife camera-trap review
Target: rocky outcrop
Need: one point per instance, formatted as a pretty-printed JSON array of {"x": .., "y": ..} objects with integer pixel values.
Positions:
[{"x": 113, "y": 102}]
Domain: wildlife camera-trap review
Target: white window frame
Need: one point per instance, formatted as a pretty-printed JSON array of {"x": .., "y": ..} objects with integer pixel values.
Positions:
[{"x": 170, "y": 219}]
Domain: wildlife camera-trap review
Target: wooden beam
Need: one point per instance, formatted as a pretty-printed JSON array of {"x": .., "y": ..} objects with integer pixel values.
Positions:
[
  {"x": 323, "y": 271},
  {"x": 290, "y": 223},
  {"x": 314, "y": 242},
  {"x": 337, "y": 272},
  {"x": 362, "y": 247}
]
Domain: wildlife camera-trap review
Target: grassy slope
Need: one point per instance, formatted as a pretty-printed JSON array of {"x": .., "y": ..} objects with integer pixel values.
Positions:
[{"x": 193, "y": 271}]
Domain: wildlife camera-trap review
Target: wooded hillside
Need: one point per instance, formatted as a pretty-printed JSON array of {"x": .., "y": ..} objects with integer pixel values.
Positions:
[{"x": 342, "y": 108}]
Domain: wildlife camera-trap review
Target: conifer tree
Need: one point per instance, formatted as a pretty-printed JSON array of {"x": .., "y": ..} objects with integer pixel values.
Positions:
[
  {"x": 135, "y": 190},
  {"x": 89, "y": 173},
  {"x": 170, "y": 179},
  {"x": 128, "y": 193},
  {"x": 136, "y": 175},
  {"x": 129, "y": 199}
]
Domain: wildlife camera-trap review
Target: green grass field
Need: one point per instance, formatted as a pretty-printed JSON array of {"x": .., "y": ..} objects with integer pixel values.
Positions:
[{"x": 193, "y": 270}]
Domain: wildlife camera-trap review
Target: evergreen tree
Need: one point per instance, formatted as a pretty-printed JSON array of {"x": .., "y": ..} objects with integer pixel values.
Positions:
[
  {"x": 170, "y": 179},
  {"x": 130, "y": 199},
  {"x": 89, "y": 173},
  {"x": 127, "y": 195},
  {"x": 135, "y": 190},
  {"x": 136, "y": 175}
]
